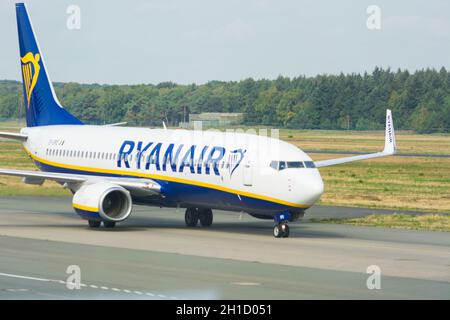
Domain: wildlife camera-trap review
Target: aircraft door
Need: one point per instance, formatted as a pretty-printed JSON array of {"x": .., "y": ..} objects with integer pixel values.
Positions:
[{"x": 248, "y": 174}]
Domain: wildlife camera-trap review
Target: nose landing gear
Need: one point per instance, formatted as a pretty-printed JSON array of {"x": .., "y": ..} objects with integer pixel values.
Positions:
[{"x": 281, "y": 229}]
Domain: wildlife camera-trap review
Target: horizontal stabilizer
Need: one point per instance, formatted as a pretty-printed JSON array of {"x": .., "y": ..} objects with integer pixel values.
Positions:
[
  {"x": 13, "y": 135},
  {"x": 117, "y": 124}
]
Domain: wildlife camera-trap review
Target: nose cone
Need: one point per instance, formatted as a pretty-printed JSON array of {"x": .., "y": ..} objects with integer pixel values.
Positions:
[{"x": 310, "y": 186}]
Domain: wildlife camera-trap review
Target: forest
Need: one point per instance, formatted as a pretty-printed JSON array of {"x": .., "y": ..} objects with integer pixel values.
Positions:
[{"x": 420, "y": 101}]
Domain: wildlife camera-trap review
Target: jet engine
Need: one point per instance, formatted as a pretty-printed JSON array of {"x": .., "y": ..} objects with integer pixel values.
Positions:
[{"x": 102, "y": 201}]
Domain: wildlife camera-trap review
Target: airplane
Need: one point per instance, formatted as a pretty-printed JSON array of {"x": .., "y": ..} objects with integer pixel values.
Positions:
[{"x": 109, "y": 168}]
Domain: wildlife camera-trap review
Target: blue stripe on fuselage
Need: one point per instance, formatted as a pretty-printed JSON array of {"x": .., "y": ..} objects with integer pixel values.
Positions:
[{"x": 192, "y": 195}]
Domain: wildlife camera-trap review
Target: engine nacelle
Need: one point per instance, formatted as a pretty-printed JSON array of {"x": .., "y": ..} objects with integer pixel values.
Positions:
[{"x": 102, "y": 201}]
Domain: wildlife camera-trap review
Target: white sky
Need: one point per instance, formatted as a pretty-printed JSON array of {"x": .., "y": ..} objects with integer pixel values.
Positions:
[{"x": 128, "y": 42}]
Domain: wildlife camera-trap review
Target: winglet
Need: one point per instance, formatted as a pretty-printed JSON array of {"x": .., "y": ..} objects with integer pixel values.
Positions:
[
  {"x": 389, "y": 143},
  {"x": 164, "y": 125},
  {"x": 389, "y": 147}
]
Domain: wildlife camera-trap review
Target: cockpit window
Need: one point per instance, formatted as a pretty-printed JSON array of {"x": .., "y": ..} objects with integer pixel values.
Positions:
[
  {"x": 310, "y": 164},
  {"x": 274, "y": 165},
  {"x": 295, "y": 164},
  {"x": 281, "y": 165}
]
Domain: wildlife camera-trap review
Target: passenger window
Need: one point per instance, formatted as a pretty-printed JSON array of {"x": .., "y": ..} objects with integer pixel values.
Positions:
[{"x": 282, "y": 165}]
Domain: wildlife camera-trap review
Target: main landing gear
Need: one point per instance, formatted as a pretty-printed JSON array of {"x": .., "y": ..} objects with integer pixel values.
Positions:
[
  {"x": 194, "y": 215},
  {"x": 281, "y": 228},
  {"x": 95, "y": 224}
]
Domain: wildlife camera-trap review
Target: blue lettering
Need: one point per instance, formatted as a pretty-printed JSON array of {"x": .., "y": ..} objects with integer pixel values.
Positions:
[
  {"x": 154, "y": 157},
  {"x": 215, "y": 160},
  {"x": 188, "y": 160},
  {"x": 141, "y": 151},
  {"x": 200, "y": 160},
  {"x": 123, "y": 155},
  {"x": 172, "y": 160}
]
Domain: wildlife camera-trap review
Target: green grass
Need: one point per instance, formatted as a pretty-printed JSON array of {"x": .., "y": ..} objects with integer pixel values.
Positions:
[
  {"x": 399, "y": 183},
  {"x": 431, "y": 222},
  {"x": 13, "y": 156}
]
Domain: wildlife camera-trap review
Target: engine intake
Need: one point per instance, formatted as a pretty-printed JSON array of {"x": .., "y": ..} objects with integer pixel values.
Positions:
[{"x": 102, "y": 201}]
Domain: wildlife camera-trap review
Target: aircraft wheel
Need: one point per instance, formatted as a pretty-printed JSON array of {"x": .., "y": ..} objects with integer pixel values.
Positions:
[
  {"x": 277, "y": 232},
  {"x": 191, "y": 217},
  {"x": 94, "y": 223},
  {"x": 281, "y": 230},
  {"x": 109, "y": 224},
  {"x": 285, "y": 229},
  {"x": 206, "y": 217}
]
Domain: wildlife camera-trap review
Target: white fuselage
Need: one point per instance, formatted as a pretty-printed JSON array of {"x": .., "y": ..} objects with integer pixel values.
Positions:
[{"x": 233, "y": 171}]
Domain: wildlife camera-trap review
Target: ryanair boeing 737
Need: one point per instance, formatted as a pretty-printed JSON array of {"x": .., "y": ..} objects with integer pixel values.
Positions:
[{"x": 110, "y": 168}]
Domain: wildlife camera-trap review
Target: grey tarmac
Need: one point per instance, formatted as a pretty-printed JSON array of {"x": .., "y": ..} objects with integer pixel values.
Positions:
[{"x": 152, "y": 255}]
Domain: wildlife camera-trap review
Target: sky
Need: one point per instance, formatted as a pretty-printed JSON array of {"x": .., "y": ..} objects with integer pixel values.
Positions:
[{"x": 196, "y": 41}]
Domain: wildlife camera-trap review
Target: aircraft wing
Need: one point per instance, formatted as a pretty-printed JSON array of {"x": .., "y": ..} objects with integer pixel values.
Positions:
[
  {"x": 131, "y": 184},
  {"x": 389, "y": 147}
]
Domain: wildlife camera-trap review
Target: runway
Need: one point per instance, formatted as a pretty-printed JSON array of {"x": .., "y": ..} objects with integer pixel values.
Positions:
[{"x": 152, "y": 255}]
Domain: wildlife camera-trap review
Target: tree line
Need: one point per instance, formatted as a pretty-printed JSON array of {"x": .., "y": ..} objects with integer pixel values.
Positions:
[{"x": 420, "y": 101}]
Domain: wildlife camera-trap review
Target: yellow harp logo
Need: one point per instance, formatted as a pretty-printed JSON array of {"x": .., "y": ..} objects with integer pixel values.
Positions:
[{"x": 30, "y": 72}]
